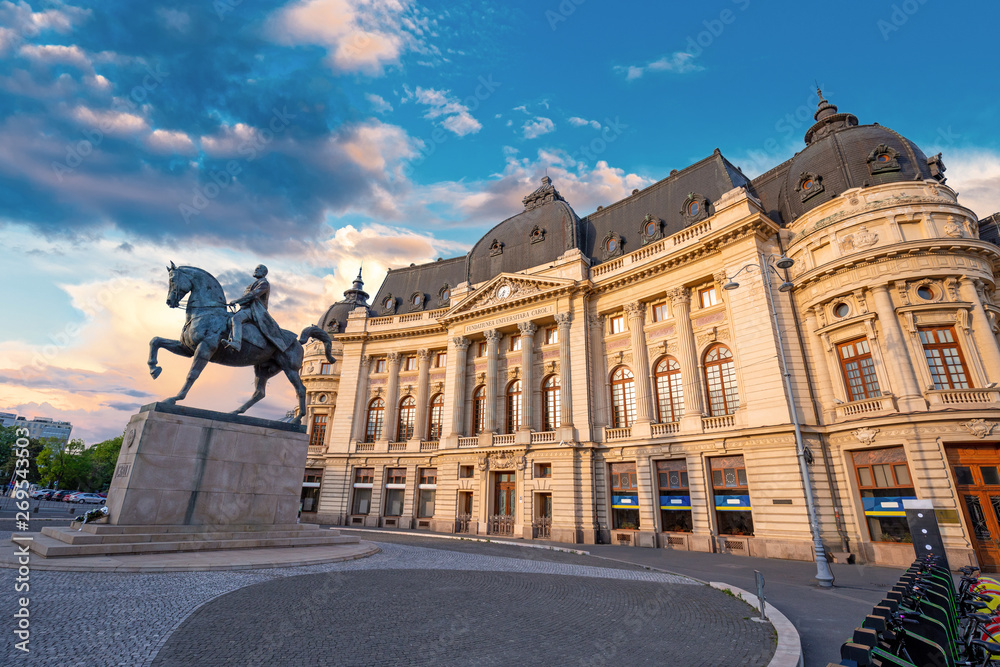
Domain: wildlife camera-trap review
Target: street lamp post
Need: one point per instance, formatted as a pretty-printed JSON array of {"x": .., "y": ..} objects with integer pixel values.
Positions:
[{"x": 766, "y": 265}]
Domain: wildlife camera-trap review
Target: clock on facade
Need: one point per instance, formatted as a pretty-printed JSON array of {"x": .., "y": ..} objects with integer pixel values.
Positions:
[{"x": 503, "y": 292}]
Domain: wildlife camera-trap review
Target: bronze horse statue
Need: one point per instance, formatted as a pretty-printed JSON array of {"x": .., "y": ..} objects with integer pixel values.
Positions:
[{"x": 208, "y": 324}]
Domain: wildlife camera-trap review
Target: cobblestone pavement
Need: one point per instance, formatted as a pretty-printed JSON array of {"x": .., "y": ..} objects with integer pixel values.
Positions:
[{"x": 102, "y": 619}]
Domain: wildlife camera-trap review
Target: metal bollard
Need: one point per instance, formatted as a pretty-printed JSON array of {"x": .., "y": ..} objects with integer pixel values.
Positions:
[{"x": 760, "y": 592}]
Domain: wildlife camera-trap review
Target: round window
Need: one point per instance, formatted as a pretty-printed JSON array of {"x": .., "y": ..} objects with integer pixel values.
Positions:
[
  {"x": 925, "y": 292},
  {"x": 693, "y": 208},
  {"x": 650, "y": 228},
  {"x": 415, "y": 300},
  {"x": 807, "y": 184},
  {"x": 612, "y": 245},
  {"x": 445, "y": 295},
  {"x": 883, "y": 158},
  {"x": 387, "y": 304},
  {"x": 841, "y": 310}
]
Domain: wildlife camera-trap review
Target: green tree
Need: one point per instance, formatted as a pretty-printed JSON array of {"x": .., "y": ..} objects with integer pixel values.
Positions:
[
  {"x": 103, "y": 459},
  {"x": 8, "y": 455},
  {"x": 63, "y": 462}
]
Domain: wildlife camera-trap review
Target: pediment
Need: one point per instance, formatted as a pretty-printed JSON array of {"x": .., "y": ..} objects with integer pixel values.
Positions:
[{"x": 508, "y": 289}]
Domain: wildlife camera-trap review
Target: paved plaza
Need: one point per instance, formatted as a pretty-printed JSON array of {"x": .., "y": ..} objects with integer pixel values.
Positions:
[{"x": 461, "y": 603}]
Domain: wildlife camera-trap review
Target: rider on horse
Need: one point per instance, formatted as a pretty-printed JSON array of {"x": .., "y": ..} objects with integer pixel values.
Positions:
[{"x": 253, "y": 308}]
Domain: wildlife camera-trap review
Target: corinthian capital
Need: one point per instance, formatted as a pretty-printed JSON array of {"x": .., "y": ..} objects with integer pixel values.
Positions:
[
  {"x": 461, "y": 342},
  {"x": 423, "y": 355},
  {"x": 679, "y": 296},
  {"x": 635, "y": 309},
  {"x": 493, "y": 336},
  {"x": 527, "y": 328},
  {"x": 563, "y": 319},
  {"x": 393, "y": 357}
]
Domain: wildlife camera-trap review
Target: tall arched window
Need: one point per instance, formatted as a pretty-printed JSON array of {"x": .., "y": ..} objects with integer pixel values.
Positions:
[
  {"x": 479, "y": 410},
  {"x": 513, "y": 406},
  {"x": 407, "y": 418},
  {"x": 622, "y": 398},
  {"x": 553, "y": 402},
  {"x": 437, "y": 417},
  {"x": 373, "y": 427},
  {"x": 669, "y": 390},
  {"x": 720, "y": 378}
]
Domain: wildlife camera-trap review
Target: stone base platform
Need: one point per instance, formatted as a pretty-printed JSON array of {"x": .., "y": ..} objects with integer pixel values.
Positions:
[{"x": 97, "y": 539}]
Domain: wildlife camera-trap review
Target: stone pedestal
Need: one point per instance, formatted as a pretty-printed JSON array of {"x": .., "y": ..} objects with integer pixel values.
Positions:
[
  {"x": 196, "y": 480},
  {"x": 183, "y": 466}
]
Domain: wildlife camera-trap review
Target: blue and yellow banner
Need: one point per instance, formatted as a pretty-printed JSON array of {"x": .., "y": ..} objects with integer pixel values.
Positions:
[
  {"x": 630, "y": 502},
  {"x": 732, "y": 503},
  {"x": 675, "y": 502},
  {"x": 885, "y": 506}
]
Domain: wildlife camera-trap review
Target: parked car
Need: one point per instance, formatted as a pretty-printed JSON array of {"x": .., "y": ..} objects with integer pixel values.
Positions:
[
  {"x": 41, "y": 494},
  {"x": 61, "y": 495},
  {"x": 87, "y": 498},
  {"x": 71, "y": 496},
  {"x": 103, "y": 494}
]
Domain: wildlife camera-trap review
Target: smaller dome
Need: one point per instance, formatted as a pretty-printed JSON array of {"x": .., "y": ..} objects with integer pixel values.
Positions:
[{"x": 335, "y": 318}]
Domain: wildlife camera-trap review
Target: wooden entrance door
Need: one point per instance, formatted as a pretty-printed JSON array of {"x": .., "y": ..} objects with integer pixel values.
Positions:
[
  {"x": 505, "y": 494},
  {"x": 977, "y": 477}
]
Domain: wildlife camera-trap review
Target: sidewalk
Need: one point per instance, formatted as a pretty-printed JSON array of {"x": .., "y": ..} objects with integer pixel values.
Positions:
[{"x": 825, "y": 618}]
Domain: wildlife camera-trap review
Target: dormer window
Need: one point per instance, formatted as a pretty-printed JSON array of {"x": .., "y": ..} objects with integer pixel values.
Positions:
[
  {"x": 695, "y": 208},
  {"x": 496, "y": 248},
  {"x": 882, "y": 159},
  {"x": 389, "y": 304},
  {"x": 809, "y": 186},
  {"x": 611, "y": 246},
  {"x": 651, "y": 229}
]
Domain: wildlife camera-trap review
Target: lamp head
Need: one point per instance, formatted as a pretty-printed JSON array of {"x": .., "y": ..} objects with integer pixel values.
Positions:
[
  {"x": 785, "y": 287},
  {"x": 731, "y": 285},
  {"x": 784, "y": 262}
]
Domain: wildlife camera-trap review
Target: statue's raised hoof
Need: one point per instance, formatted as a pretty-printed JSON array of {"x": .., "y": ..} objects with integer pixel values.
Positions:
[{"x": 155, "y": 371}]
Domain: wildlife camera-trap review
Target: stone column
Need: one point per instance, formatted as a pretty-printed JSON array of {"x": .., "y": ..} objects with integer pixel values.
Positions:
[
  {"x": 423, "y": 383},
  {"x": 694, "y": 408},
  {"x": 391, "y": 398},
  {"x": 818, "y": 354},
  {"x": 458, "y": 398},
  {"x": 527, "y": 330},
  {"x": 636, "y": 312},
  {"x": 982, "y": 332},
  {"x": 492, "y": 340},
  {"x": 361, "y": 401},
  {"x": 599, "y": 376},
  {"x": 901, "y": 373},
  {"x": 565, "y": 386}
]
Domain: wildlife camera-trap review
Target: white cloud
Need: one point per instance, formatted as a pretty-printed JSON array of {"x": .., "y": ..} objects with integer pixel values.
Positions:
[
  {"x": 110, "y": 122},
  {"x": 455, "y": 115},
  {"x": 57, "y": 54},
  {"x": 360, "y": 35},
  {"x": 576, "y": 121},
  {"x": 975, "y": 175},
  {"x": 171, "y": 142},
  {"x": 537, "y": 127},
  {"x": 378, "y": 103},
  {"x": 679, "y": 62},
  {"x": 229, "y": 141}
]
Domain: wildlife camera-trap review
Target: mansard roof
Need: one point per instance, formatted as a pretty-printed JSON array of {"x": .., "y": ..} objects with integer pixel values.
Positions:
[{"x": 431, "y": 280}]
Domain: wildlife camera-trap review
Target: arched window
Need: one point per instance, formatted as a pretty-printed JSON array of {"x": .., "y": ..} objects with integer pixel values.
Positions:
[
  {"x": 622, "y": 398},
  {"x": 407, "y": 418},
  {"x": 373, "y": 427},
  {"x": 553, "y": 402},
  {"x": 479, "y": 410},
  {"x": 513, "y": 406},
  {"x": 669, "y": 390},
  {"x": 437, "y": 417},
  {"x": 720, "y": 378}
]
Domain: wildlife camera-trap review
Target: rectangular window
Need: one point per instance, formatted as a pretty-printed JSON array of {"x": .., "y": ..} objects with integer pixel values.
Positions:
[
  {"x": 364, "y": 476},
  {"x": 466, "y": 472},
  {"x": 618, "y": 324},
  {"x": 310, "y": 489},
  {"x": 428, "y": 476},
  {"x": 395, "y": 476},
  {"x": 624, "y": 497},
  {"x": 659, "y": 312},
  {"x": 543, "y": 470},
  {"x": 363, "y": 479},
  {"x": 675, "y": 496},
  {"x": 410, "y": 364},
  {"x": 552, "y": 335},
  {"x": 394, "y": 502},
  {"x": 326, "y": 368},
  {"x": 884, "y": 482},
  {"x": 481, "y": 349},
  {"x": 380, "y": 365},
  {"x": 318, "y": 435},
  {"x": 515, "y": 343},
  {"x": 732, "y": 495},
  {"x": 944, "y": 357},
  {"x": 426, "y": 492},
  {"x": 708, "y": 297},
  {"x": 859, "y": 369},
  {"x": 440, "y": 359}
]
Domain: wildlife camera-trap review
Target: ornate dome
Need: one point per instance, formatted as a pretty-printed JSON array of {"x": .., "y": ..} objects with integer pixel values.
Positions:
[
  {"x": 840, "y": 155},
  {"x": 543, "y": 231},
  {"x": 335, "y": 318}
]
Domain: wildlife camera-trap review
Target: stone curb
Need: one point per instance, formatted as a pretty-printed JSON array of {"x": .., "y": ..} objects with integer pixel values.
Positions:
[
  {"x": 61, "y": 564},
  {"x": 788, "y": 653},
  {"x": 413, "y": 533}
]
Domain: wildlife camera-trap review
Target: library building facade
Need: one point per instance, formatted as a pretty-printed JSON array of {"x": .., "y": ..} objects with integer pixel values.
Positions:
[{"x": 672, "y": 370}]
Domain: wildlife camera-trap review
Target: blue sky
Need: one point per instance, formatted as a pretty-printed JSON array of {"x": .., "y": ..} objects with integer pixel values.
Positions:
[{"x": 314, "y": 135}]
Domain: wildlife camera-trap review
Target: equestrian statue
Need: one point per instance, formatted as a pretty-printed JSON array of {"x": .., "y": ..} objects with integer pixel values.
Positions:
[{"x": 248, "y": 337}]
